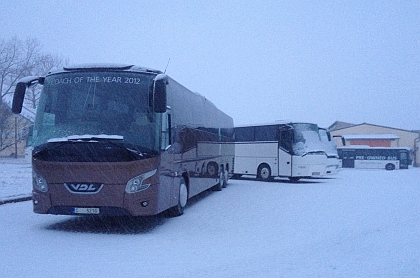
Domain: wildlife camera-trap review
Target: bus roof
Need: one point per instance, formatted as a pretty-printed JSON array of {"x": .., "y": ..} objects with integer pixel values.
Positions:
[
  {"x": 368, "y": 147},
  {"x": 104, "y": 67},
  {"x": 280, "y": 122}
]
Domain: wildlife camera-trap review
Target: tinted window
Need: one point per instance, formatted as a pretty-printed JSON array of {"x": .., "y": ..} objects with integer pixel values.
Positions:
[
  {"x": 266, "y": 133},
  {"x": 244, "y": 134}
]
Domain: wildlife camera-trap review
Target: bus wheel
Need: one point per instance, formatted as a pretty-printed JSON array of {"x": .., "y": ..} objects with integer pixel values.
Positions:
[
  {"x": 182, "y": 200},
  {"x": 264, "y": 172},
  {"x": 221, "y": 184},
  {"x": 294, "y": 179},
  {"x": 212, "y": 169},
  {"x": 225, "y": 183},
  {"x": 390, "y": 166}
]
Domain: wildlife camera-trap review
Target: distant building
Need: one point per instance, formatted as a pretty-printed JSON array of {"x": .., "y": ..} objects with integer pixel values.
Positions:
[
  {"x": 339, "y": 125},
  {"x": 13, "y": 133},
  {"x": 376, "y": 136}
]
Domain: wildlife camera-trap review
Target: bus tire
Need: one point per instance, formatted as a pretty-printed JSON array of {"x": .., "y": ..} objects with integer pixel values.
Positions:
[
  {"x": 225, "y": 183},
  {"x": 221, "y": 184},
  {"x": 390, "y": 167},
  {"x": 178, "y": 210},
  {"x": 294, "y": 179},
  {"x": 212, "y": 169},
  {"x": 264, "y": 172}
]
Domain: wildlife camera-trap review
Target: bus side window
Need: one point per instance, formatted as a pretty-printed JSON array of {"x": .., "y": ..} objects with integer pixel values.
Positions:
[
  {"x": 266, "y": 133},
  {"x": 244, "y": 134}
]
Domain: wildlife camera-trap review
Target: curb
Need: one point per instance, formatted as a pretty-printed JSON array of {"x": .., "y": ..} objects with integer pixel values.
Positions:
[{"x": 15, "y": 200}]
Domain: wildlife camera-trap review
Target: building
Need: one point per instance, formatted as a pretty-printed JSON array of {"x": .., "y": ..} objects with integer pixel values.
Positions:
[
  {"x": 376, "y": 136},
  {"x": 13, "y": 132}
]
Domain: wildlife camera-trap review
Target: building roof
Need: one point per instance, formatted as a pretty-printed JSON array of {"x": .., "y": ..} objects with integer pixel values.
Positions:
[
  {"x": 342, "y": 125},
  {"x": 339, "y": 125}
]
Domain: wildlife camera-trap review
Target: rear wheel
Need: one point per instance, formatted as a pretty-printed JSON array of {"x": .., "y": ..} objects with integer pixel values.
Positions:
[
  {"x": 212, "y": 169},
  {"x": 294, "y": 179},
  {"x": 390, "y": 166},
  {"x": 226, "y": 180},
  {"x": 221, "y": 184},
  {"x": 264, "y": 172},
  {"x": 182, "y": 200}
]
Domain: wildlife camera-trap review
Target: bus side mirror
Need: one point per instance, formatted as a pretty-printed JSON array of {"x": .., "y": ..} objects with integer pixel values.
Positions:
[
  {"x": 159, "y": 93},
  {"x": 18, "y": 97},
  {"x": 20, "y": 91}
]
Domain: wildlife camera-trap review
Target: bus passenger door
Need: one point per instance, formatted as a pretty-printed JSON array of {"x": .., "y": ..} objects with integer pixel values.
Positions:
[
  {"x": 348, "y": 158},
  {"x": 285, "y": 163},
  {"x": 404, "y": 159},
  {"x": 169, "y": 150},
  {"x": 285, "y": 150}
]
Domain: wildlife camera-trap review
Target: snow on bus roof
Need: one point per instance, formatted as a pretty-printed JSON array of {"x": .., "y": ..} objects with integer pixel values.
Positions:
[
  {"x": 370, "y": 136},
  {"x": 283, "y": 122},
  {"x": 104, "y": 66},
  {"x": 369, "y": 147}
]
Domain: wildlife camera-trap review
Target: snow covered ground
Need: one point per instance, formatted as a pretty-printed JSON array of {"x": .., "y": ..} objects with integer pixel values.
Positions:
[
  {"x": 15, "y": 179},
  {"x": 362, "y": 223}
]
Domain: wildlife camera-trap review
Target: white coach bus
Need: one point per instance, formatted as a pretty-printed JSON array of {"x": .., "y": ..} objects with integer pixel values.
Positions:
[
  {"x": 291, "y": 150},
  {"x": 388, "y": 158}
]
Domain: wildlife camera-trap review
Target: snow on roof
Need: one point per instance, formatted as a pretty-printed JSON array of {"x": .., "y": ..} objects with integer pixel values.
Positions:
[
  {"x": 277, "y": 122},
  {"x": 370, "y": 136},
  {"x": 104, "y": 66}
]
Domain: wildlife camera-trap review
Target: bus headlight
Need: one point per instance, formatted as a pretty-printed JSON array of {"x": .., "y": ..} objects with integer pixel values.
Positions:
[
  {"x": 39, "y": 183},
  {"x": 136, "y": 184}
]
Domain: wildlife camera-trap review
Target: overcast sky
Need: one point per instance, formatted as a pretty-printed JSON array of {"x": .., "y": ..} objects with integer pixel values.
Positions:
[{"x": 258, "y": 61}]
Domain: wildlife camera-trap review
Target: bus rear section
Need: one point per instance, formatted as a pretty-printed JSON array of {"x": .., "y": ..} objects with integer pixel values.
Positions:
[{"x": 330, "y": 148}]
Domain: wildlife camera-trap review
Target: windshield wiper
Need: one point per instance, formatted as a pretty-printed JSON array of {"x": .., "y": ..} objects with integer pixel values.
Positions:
[{"x": 111, "y": 139}]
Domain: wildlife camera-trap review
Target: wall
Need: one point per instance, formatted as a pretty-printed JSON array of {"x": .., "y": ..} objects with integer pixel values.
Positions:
[{"x": 373, "y": 142}]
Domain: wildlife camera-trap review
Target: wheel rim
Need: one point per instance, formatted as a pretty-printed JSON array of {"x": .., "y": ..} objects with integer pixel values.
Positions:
[
  {"x": 183, "y": 194},
  {"x": 226, "y": 177},
  {"x": 211, "y": 169},
  {"x": 265, "y": 173},
  {"x": 222, "y": 178}
]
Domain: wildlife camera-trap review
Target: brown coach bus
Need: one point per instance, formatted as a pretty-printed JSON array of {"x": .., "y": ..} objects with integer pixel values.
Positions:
[{"x": 123, "y": 140}]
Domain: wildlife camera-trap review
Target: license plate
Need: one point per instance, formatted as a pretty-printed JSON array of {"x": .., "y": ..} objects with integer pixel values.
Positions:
[{"x": 86, "y": 210}]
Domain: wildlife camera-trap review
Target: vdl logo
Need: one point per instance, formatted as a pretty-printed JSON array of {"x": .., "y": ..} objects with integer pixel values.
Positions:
[{"x": 84, "y": 188}]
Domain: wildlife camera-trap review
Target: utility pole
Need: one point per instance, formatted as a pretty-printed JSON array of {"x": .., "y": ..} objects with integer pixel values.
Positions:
[{"x": 16, "y": 139}]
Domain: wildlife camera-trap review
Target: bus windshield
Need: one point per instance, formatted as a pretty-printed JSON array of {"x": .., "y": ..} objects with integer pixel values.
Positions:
[
  {"x": 104, "y": 104},
  {"x": 306, "y": 139}
]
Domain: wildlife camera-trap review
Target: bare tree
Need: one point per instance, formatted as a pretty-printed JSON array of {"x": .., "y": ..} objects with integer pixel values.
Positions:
[
  {"x": 24, "y": 58},
  {"x": 44, "y": 64},
  {"x": 17, "y": 58},
  {"x": 20, "y": 58}
]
